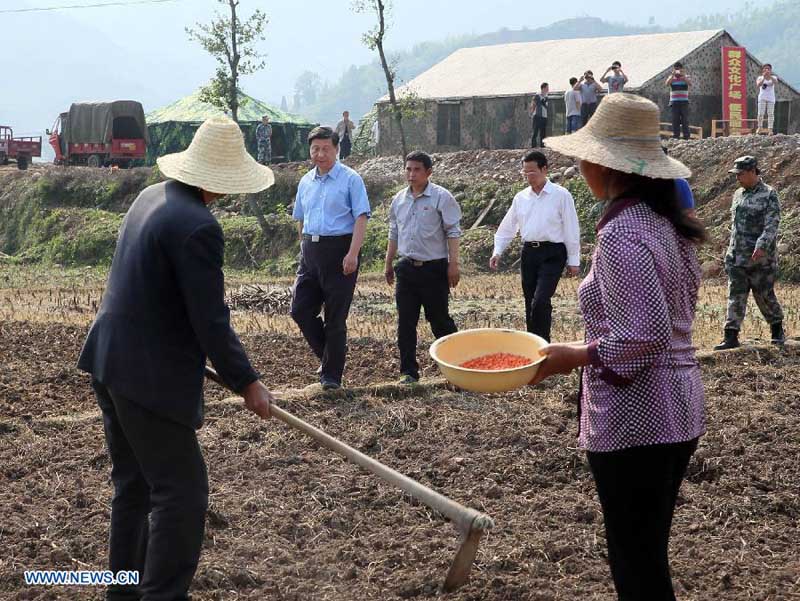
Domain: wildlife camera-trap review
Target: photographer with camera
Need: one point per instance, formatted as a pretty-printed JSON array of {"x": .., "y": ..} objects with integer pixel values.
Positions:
[
  {"x": 766, "y": 97},
  {"x": 678, "y": 84},
  {"x": 617, "y": 80},
  {"x": 589, "y": 88}
]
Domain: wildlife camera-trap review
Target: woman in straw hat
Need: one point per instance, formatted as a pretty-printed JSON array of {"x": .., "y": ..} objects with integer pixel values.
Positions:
[
  {"x": 163, "y": 314},
  {"x": 641, "y": 404}
]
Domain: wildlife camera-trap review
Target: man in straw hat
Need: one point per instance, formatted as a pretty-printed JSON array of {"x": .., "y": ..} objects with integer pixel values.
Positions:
[
  {"x": 163, "y": 314},
  {"x": 331, "y": 209},
  {"x": 641, "y": 401}
]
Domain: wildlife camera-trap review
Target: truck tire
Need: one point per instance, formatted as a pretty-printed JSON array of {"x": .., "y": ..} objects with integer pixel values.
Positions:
[
  {"x": 22, "y": 162},
  {"x": 95, "y": 160},
  {"x": 3, "y": 159}
]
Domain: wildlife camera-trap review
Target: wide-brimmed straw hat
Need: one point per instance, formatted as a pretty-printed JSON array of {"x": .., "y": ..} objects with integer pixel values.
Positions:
[
  {"x": 623, "y": 134},
  {"x": 217, "y": 161}
]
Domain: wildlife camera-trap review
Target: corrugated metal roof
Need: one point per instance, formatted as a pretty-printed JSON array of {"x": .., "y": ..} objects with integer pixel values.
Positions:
[{"x": 516, "y": 69}]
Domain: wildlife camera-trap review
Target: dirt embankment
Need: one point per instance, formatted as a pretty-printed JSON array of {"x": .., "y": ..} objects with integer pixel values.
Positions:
[{"x": 478, "y": 177}]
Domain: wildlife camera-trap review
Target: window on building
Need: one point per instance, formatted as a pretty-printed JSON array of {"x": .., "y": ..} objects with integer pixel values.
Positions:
[{"x": 448, "y": 126}]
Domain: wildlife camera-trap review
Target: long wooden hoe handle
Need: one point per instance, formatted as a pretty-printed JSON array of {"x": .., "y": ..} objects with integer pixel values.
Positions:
[{"x": 467, "y": 519}]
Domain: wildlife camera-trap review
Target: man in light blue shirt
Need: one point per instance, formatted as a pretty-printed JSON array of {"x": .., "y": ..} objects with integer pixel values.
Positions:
[{"x": 331, "y": 209}]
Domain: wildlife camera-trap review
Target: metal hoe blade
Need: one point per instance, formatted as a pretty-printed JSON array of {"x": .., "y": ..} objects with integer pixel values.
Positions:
[{"x": 471, "y": 523}]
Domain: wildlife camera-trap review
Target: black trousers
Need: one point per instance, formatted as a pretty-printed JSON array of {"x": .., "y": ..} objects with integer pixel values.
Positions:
[
  {"x": 638, "y": 488},
  {"x": 426, "y": 287},
  {"x": 160, "y": 499},
  {"x": 321, "y": 283},
  {"x": 539, "y": 132},
  {"x": 680, "y": 119},
  {"x": 541, "y": 268},
  {"x": 345, "y": 146},
  {"x": 587, "y": 110}
]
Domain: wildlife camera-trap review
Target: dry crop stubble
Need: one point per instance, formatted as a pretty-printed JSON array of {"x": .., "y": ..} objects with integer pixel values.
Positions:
[
  {"x": 290, "y": 521},
  {"x": 72, "y": 297}
]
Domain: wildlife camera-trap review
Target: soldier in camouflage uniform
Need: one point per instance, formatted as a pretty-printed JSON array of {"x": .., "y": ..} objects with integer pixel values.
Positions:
[
  {"x": 752, "y": 259},
  {"x": 264, "y": 141}
]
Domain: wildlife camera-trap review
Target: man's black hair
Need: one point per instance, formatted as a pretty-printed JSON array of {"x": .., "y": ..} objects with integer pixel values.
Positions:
[
  {"x": 678, "y": 65},
  {"x": 766, "y": 65},
  {"x": 535, "y": 156},
  {"x": 543, "y": 86},
  {"x": 323, "y": 132},
  {"x": 619, "y": 64},
  {"x": 573, "y": 81},
  {"x": 420, "y": 157}
]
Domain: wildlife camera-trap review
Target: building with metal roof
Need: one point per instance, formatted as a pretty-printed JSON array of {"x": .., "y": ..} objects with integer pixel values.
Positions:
[{"x": 480, "y": 97}]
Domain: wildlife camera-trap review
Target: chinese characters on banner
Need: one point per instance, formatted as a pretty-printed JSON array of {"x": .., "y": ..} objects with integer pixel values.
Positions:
[{"x": 734, "y": 88}]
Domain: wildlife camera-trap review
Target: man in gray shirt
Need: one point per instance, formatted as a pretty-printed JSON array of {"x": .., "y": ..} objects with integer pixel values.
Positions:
[
  {"x": 617, "y": 80},
  {"x": 589, "y": 88},
  {"x": 424, "y": 229}
]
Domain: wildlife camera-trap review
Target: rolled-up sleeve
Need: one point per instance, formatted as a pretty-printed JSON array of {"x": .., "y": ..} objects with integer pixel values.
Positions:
[
  {"x": 297, "y": 212},
  {"x": 359, "y": 202},
  {"x": 451, "y": 215},
  {"x": 635, "y": 306}
]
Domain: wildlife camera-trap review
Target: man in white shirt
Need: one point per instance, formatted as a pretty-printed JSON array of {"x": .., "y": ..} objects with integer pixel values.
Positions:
[{"x": 544, "y": 214}]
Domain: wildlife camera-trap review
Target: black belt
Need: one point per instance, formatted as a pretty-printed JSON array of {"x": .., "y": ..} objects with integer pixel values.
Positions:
[
  {"x": 421, "y": 263},
  {"x": 315, "y": 238},
  {"x": 534, "y": 244}
]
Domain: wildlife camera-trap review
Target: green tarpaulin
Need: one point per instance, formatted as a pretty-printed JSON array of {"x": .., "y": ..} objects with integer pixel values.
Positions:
[
  {"x": 99, "y": 122},
  {"x": 172, "y": 127}
]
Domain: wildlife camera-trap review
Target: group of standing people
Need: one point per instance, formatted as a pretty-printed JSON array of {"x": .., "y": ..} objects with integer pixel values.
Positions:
[
  {"x": 580, "y": 100},
  {"x": 345, "y": 130},
  {"x": 641, "y": 407},
  {"x": 582, "y": 97}
]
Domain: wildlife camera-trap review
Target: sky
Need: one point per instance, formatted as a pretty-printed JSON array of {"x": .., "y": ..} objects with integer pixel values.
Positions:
[{"x": 142, "y": 52}]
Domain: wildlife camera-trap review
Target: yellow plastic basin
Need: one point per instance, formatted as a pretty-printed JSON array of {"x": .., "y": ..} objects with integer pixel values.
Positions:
[{"x": 453, "y": 350}]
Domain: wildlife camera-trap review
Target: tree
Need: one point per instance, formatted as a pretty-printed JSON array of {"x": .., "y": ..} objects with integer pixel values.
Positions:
[
  {"x": 231, "y": 42},
  {"x": 373, "y": 40},
  {"x": 306, "y": 87}
]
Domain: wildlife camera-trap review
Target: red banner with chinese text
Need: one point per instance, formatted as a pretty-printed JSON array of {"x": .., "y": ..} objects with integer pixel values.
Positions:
[{"x": 734, "y": 87}]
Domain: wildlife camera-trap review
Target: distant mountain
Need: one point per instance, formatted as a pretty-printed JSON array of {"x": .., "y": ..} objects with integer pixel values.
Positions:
[
  {"x": 360, "y": 86},
  {"x": 769, "y": 33}
]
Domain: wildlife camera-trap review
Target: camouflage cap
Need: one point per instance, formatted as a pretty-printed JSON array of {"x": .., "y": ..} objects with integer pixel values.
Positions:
[{"x": 745, "y": 163}]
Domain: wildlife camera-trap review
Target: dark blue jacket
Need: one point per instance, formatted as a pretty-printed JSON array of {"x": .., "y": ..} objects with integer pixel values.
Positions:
[{"x": 163, "y": 311}]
